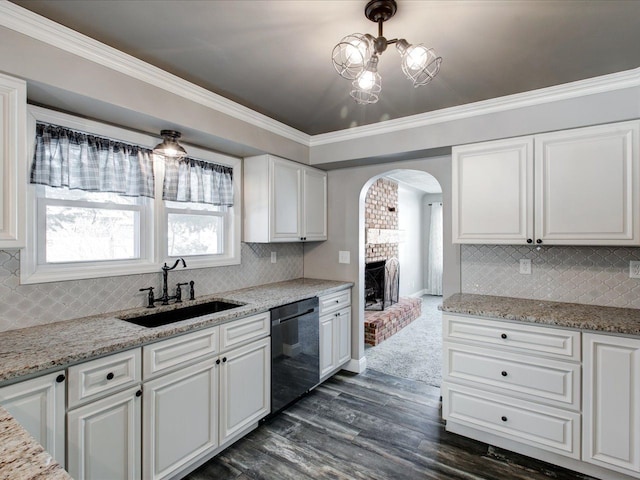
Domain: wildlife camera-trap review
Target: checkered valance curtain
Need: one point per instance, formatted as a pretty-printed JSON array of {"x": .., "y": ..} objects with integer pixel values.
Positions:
[
  {"x": 190, "y": 180},
  {"x": 76, "y": 160}
]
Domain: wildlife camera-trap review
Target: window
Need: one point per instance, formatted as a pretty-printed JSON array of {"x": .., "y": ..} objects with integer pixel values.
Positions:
[{"x": 75, "y": 233}]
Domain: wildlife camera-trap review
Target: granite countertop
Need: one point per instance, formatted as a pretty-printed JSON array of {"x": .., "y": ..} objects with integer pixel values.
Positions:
[
  {"x": 21, "y": 457},
  {"x": 35, "y": 350},
  {"x": 624, "y": 321}
]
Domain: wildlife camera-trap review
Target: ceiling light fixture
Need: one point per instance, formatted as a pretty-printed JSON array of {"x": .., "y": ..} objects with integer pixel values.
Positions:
[
  {"x": 170, "y": 147},
  {"x": 356, "y": 56}
]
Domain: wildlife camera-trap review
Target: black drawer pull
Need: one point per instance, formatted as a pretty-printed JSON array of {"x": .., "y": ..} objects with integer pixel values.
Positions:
[
  {"x": 504, "y": 419},
  {"x": 224, "y": 359},
  {"x": 504, "y": 374},
  {"x": 110, "y": 376},
  {"x": 218, "y": 362},
  {"x": 504, "y": 336},
  {"x": 60, "y": 378},
  {"x": 139, "y": 393}
]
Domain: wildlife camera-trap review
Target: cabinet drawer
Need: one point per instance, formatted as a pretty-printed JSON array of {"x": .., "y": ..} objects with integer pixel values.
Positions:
[
  {"x": 544, "y": 427},
  {"x": 536, "y": 379},
  {"x": 528, "y": 338},
  {"x": 335, "y": 301},
  {"x": 164, "y": 356},
  {"x": 244, "y": 330},
  {"x": 94, "y": 379}
]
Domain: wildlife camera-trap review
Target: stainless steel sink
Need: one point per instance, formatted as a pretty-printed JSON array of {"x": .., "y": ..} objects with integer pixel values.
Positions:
[{"x": 170, "y": 316}]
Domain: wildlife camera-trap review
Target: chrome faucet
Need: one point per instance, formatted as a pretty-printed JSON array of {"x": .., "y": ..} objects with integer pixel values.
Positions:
[{"x": 165, "y": 274}]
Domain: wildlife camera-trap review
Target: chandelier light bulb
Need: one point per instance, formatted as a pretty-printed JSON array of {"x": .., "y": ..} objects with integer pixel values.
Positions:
[{"x": 355, "y": 57}]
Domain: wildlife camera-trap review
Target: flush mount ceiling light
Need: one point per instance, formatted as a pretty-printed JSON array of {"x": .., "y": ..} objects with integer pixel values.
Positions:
[
  {"x": 170, "y": 147},
  {"x": 355, "y": 57}
]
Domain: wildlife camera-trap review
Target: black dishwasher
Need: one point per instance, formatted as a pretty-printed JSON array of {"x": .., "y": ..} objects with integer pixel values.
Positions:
[{"x": 295, "y": 351}]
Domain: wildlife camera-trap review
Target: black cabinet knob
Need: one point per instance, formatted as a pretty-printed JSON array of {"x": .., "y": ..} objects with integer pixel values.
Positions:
[
  {"x": 503, "y": 336},
  {"x": 224, "y": 359},
  {"x": 110, "y": 376},
  {"x": 60, "y": 378},
  {"x": 139, "y": 393},
  {"x": 538, "y": 241},
  {"x": 504, "y": 419},
  {"x": 529, "y": 240},
  {"x": 218, "y": 362},
  {"x": 504, "y": 374}
]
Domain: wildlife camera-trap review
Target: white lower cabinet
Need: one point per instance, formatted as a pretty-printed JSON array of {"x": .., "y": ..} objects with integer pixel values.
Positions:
[
  {"x": 514, "y": 381},
  {"x": 39, "y": 406},
  {"x": 103, "y": 438},
  {"x": 245, "y": 388},
  {"x": 193, "y": 410},
  {"x": 335, "y": 332},
  {"x": 180, "y": 418},
  {"x": 612, "y": 402}
]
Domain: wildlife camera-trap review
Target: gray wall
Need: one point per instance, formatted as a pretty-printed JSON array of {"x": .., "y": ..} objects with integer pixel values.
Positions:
[
  {"x": 411, "y": 249},
  {"x": 347, "y": 188}
]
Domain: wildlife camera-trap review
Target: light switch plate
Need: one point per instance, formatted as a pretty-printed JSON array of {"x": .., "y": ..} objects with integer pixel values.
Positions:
[
  {"x": 344, "y": 256},
  {"x": 634, "y": 269},
  {"x": 525, "y": 266}
]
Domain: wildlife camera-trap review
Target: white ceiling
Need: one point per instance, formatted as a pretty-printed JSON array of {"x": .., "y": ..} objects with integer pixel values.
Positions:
[
  {"x": 274, "y": 56},
  {"x": 415, "y": 179}
]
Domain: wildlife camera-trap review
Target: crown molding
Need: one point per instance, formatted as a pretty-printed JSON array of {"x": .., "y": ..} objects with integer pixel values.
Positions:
[
  {"x": 35, "y": 26},
  {"x": 580, "y": 88}
]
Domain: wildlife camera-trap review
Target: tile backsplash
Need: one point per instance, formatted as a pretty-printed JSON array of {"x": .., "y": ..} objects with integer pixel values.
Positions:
[
  {"x": 590, "y": 275},
  {"x": 28, "y": 305}
]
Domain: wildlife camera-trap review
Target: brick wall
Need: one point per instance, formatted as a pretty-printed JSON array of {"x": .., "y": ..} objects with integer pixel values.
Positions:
[{"x": 381, "y": 211}]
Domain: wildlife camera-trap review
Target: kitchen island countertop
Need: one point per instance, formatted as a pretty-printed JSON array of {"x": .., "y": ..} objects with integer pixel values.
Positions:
[{"x": 623, "y": 321}]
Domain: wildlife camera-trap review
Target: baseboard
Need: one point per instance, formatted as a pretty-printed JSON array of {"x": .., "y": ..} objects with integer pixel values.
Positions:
[
  {"x": 356, "y": 365},
  {"x": 419, "y": 293}
]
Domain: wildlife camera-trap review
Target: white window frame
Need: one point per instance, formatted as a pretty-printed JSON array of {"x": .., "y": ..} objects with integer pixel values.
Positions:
[{"x": 153, "y": 216}]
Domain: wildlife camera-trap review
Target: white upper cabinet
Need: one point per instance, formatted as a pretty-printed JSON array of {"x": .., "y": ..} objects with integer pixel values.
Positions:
[
  {"x": 492, "y": 192},
  {"x": 587, "y": 186},
  {"x": 13, "y": 147},
  {"x": 284, "y": 201},
  {"x": 573, "y": 187}
]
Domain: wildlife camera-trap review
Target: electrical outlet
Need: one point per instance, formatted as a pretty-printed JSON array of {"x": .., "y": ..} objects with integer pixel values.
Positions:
[
  {"x": 525, "y": 266},
  {"x": 344, "y": 256},
  {"x": 274, "y": 257},
  {"x": 634, "y": 269}
]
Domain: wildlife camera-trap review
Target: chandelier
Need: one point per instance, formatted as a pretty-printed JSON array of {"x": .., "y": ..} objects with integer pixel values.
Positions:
[{"x": 355, "y": 57}]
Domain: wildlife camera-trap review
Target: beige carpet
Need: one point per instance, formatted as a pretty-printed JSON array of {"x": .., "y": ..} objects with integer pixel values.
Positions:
[{"x": 415, "y": 352}]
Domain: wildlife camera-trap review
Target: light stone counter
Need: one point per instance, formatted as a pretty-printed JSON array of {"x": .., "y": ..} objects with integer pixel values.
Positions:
[
  {"x": 32, "y": 351},
  {"x": 624, "y": 321},
  {"x": 21, "y": 457}
]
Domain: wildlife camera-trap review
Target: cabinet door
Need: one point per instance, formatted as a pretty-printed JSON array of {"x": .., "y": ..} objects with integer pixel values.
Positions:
[
  {"x": 492, "y": 192},
  {"x": 245, "y": 387},
  {"x": 327, "y": 344},
  {"x": 611, "y": 410},
  {"x": 39, "y": 406},
  {"x": 587, "y": 186},
  {"x": 286, "y": 201},
  {"x": 13, "y": 121},
  {"x": 343, "y": 336},
  {"x": 180, "y": 419},
  {"x": 104, "y": 438},
  {"x": 315, "y": 205}
]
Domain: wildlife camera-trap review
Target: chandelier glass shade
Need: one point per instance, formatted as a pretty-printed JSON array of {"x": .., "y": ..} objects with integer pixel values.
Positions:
[
  {"x": 170, "y": 147},
  {"x": 356, "y": 56}
]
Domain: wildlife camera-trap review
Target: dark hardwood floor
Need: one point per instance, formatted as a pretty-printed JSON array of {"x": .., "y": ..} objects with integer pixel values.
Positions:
[{"x": 368, "y": 426}]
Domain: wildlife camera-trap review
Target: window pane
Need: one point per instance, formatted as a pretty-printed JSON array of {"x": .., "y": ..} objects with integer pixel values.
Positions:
[
  {"x": 194, "y": 234},
  {"x": 76, "y": 234},
  {"x": 81, "y": 195},
  {"x": 194, "y": 206}
]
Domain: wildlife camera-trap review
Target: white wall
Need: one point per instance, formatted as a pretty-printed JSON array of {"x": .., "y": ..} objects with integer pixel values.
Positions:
[
  {"x": 410, "y": 251},
  {"x": 426, "y": 200},
  {"x": 346, "y": 191}
]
